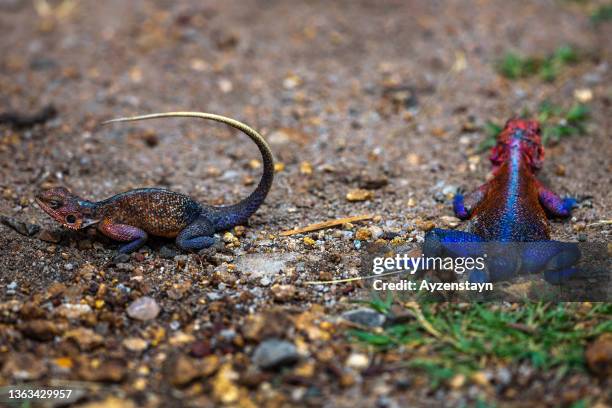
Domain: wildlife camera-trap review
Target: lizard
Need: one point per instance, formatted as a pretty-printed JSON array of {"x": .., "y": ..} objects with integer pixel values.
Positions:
[
  {"x": 511, "y": 209},
  {"x": 130, "y": 217}
]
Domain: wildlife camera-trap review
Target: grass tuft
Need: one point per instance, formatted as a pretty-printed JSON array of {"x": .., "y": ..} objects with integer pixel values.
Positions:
[
  {"x": 515, "y": 66},
  {"x": 556, "y": 123},
  {"x": 602, "y": 14},
  {"x": 544, "y": 335}
]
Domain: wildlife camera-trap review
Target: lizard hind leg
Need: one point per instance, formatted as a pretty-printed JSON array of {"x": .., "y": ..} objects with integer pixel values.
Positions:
[{"x": 197, "y": 235}]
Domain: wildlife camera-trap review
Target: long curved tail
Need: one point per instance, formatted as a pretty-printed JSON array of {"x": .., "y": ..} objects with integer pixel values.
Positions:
[{"x": 239, "y": 213}]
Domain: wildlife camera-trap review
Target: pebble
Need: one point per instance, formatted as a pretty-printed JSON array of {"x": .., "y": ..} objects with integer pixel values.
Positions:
[
  {"x": 49, "y": 236},
  {"x": 135, "y": 344},
  {"x": 363, "y": 234},
  {"x": 274, "y": 353},
  {"x": 85, "y": 338},
  {"x": 11, "y": 288},
  {"x": 376, "y": 232},
  {"x": 425, "y": 225},
  {"x": 450, "y": 221},
  {"x": 365, "y": 317},
  {"x": 283, "y": 293},
  {"x": 181, "y": 370},
  {"x": 21, "y": 227},
  {"x": 167, "y": 252},
  {"x": 144, "y": 308},
  {"x": 357, "y": 361},
  {"x": 121, "y": 258},
  {"x": 23, "y": 367},
  {"x": 42, "y": 330},
  {"x": 599, "y": 355},
  {"x": 359, "y": 195},
  {"x": 72, "y": 310},
  {"x": 112, "y": 370}
]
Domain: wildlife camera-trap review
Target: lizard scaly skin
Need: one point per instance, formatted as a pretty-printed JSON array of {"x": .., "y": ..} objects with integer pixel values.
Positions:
[{"x": 132, "y": 216}]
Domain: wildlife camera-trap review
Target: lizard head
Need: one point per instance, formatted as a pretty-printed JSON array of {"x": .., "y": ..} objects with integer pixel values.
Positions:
[
  {"x": 66, "y": 208},
  {"x": 521, "y": 134}
]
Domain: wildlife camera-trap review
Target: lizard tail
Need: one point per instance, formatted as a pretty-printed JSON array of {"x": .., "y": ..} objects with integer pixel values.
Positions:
[{"x": 239, "y": 213}]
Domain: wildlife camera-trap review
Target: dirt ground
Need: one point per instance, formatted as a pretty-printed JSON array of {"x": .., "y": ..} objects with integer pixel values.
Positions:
[{"x": 388, "y": 96}]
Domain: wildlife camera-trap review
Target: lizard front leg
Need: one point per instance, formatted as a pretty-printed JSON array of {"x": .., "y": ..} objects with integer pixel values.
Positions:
[
  {"x": 124, "y": 233},
  {"x": 553, "y": 204},
  {"x": 197, "y": 235},
  {"x": 463, "y": 205}
]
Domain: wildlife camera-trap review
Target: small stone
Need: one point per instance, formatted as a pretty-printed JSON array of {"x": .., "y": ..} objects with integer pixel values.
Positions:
[
  {"x": 414, "y": 159},
  {"x": 560, "y": 170},
  {"x": 121, "y": 258},
  {"x": 135, "y": 344},
  {"x": 86, "y": 339},
  {"x": 359, "y": 195},
  {"x": 144, "y": 308},
  {"x": 167, "y": 252},
  {"x": 363, "y": 234},
  {"x": 457, "y": 381},
  {"x": 599, "y": 355},
  {"x": 224, "y": 385},
  {"x": 31, "y": 310},
  {"x": 20, "y": 226},
  {"x": 225, "y": 85},
  {"x": 42, "y": 330},
  {"x": 229, "y": 238},
  {"x": 376, "y": 232},
  {"x": 309, "y": 241},
  {"x": 480, "y": 378},
  {"x": 181, "y": 370},
  {"x": 583, "y": 95},
  {"x": 347, "y": 380},
  {"x": 73, "y": 311},
  {"x": 275, "y": 353},
  {"x": 503, "y": 376},
  {"x": 305, "y": 168},
  {"x": 49, "y": 236},
  {"x": 425, "y": 225},
  {"x": 449, "y": 190},
  {"x": 23, "y": 367},
  {"x": 450, "y": 221},
  {"x": 112, "y": 370},
  {"x": 283, "y": 293},
  {"x": 365, "y": 317},
  {"x": 11, "y": 288},
  {"x": 357, "y": 361},
  {"x": 292, "y": 81}
]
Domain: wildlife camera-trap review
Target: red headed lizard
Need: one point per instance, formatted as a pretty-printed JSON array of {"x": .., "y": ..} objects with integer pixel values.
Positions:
[
  {"x": 132, "y": 216},
  {"x": 511, "y": 208}
]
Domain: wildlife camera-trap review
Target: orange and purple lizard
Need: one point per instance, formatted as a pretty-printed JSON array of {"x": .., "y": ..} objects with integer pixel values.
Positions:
[
  {"x": 132, "y": 216},
  {"x": 511, "y": 209}
]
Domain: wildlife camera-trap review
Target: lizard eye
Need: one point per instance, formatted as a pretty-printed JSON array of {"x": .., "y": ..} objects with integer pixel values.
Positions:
[
  {"x": 55, "y": 204},
  {"x": 70, "y": 219}
]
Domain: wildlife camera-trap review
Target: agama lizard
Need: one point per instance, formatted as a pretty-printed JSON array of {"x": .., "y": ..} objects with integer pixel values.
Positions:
[
  {"x": 134, "y": 215},
  {"x": 511, "y": 209}
]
